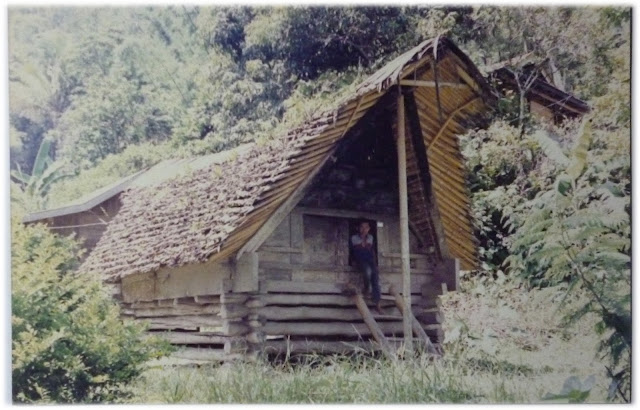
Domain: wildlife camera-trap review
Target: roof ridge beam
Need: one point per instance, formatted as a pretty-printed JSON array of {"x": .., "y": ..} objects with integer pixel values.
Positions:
[{"x": 432, "y": 84}]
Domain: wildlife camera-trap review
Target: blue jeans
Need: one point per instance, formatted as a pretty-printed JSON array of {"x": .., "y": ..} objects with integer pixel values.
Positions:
[{"x": 371, "y": 277}]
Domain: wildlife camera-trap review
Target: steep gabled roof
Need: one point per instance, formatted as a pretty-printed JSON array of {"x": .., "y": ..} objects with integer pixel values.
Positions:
[{"x": 212, "y": 212}]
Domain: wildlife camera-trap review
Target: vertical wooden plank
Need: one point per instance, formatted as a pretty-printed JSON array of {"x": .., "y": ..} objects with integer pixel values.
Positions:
[
  {"x": 448, "y": 272},
  {"x": 404, "y": 223},
  {"x": 383, "y": 240},
  {"x": 245, "y": 275},
  {"x": 297, "y": 236}
]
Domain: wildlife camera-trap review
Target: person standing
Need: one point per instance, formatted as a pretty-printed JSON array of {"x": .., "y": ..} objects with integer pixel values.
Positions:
[{"x": 363, "y": 252}]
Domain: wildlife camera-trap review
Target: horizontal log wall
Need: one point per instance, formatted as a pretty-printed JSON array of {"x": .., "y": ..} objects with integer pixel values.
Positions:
[
  {"x": 331, "y": 322},
  {"x": 206, "y": 327}
]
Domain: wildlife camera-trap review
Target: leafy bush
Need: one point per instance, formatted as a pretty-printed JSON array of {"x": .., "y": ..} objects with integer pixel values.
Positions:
[
  {"x": 69, "y": 343},
  {"x": 578, "y": 231},
  {"x": 505, "y": 170},
  {"x": 563, "y": 214}
]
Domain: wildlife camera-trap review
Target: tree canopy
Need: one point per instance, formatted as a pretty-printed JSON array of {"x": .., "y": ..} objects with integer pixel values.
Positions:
[{"x": 194, "y": 79}]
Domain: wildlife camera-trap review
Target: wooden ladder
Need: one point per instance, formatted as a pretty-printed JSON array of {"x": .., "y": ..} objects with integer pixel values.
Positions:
[{"x": 377, "y": 333}]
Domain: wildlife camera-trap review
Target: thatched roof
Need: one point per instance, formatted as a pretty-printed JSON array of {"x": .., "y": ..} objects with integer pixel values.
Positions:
[{"x": 212, "y": 212}]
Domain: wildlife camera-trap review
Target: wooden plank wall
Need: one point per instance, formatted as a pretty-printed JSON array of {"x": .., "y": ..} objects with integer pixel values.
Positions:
[
  {"x": 206, "y": 327},
  {"x": 89, "y": 225}
]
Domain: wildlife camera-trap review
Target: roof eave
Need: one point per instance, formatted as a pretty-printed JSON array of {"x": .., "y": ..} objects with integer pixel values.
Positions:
[{"x": 82, "y": 207}]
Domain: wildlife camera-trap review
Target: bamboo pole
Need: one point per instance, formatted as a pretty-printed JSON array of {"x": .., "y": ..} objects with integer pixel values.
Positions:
[{"x": 404, "y": 223}]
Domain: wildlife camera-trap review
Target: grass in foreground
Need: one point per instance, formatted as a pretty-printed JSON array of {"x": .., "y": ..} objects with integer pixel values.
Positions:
[{"x": 335, "y": 379}]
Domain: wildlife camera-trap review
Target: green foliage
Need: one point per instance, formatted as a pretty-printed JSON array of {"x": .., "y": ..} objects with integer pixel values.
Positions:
[
  {"x": 505, "y": 170},
  {"x": 35, "y": 187},
  {"x": 312, "y": 40},
  {"x": 579, "y": 232},
  {"x": 557, "y": 201},
  {"x": 69, "y": 344}
]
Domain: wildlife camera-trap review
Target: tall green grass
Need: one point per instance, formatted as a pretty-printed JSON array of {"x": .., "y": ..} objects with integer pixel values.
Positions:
[{"x": 338, "y": 379}]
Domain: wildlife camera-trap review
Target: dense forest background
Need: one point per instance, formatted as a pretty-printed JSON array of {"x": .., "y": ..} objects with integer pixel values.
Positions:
[
  {"x": 97, "y": 94},
  {"x": 113, "y": 90}
]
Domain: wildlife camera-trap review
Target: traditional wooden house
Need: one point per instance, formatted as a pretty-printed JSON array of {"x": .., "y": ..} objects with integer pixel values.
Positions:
[{"x": 251, "y": 255}]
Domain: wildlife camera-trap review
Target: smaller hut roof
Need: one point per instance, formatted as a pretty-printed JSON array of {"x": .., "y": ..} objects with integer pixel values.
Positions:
[
  {"x": 85, "y": 202},
  {"x": 152, "y": 176},
  {"x": 541, "y": 89}
]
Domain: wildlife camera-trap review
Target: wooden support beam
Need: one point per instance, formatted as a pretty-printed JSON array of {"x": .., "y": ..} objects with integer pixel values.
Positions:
[
  {"x": 467, "y": 79},
  {"x": 448, "y": 272},
  {"x": 178, "y": 310},
  {"x": 184, "y": 322},
  {"x": 256, "y": 337},
  {"x": 308, "y": 313},
  {"x": 404, "y": 220},
  {"x": 205, "y": 355},
  {"x": 245, "y": 275},
  {"x": 432, "y": 84},
  {"x": 190, "y": 338},
  {"x": 310, "y": 329},
  {"x": 292, "y": 299},
  {"x": 286, "y": 286},
  {"x": 449, "y": 119},
  {"x": 420, "y": 152},
  {"x": 430, "y": 316},
  {"x": 415, "y": 325},
  {"x": 372, "y": 324},
  {"x": 317, "y": 346},
  {"x": 234, "y": 311}
]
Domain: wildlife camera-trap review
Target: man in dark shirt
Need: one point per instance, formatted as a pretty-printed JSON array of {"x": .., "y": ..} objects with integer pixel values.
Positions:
[{"x": 364, "y": 254}]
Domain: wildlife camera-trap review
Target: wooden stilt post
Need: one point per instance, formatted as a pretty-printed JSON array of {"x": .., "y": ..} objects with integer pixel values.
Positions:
[{"x": 404, "y": 224}]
